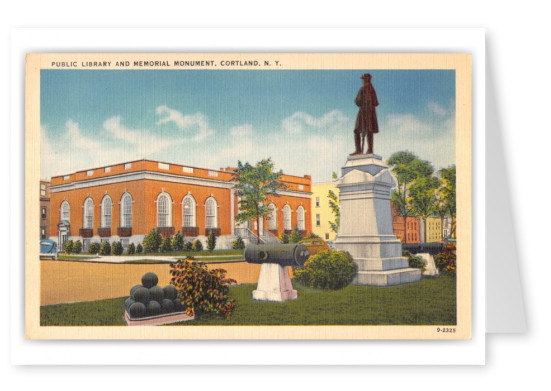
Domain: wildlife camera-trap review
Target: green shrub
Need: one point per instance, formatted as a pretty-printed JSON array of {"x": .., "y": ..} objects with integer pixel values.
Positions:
[
  {"x": 238, "y": 244},
  {"x": 166, "y": 245},
  {"x": 202, "y": 290},
  {"x": 94, "y": 248},
  {"x": 312, "y": 235},
  {"x": 68, "y": 246},
  {"x": 152, "y": 241},
  {"x": 188, "y": 246},
  {"x": 139, "y": 249},
  {"x": 77, "y": 247},
  {"x": 116, "y": 249},
  {"x": 445, "y": 261},
  {"x": 105, "y": 249},
  {"x": 178, "y": 242},
  {"x": 415, "y": 261},
  {"x": 328, "y": 269},
  {"x": 131, "y": 249},
  {"x": 283, "y": 237},
  {"x": 197, "y": 245},
  {"x": 296, "y": 236},
  {"x": 211, "y": 241}
]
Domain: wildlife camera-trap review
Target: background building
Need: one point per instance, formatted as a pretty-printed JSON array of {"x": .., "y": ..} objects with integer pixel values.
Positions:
[
  {"x": 434, "y": 230},
  {"x": 321, "y": 212},
  {"x": 125, "y": 201},
  {"x": 44, "y": 209},
  {"x": 411, "y": 234}
]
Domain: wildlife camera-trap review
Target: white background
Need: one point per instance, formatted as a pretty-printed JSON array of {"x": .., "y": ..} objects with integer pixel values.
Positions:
[{"x": 517, "y": 44}]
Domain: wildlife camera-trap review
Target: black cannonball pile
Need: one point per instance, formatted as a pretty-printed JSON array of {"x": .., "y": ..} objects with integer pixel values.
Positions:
[{"x": 149, "y": 299}]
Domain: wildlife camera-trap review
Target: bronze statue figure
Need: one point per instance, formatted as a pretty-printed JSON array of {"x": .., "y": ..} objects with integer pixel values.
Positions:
[{"x": 366, "y": 121}]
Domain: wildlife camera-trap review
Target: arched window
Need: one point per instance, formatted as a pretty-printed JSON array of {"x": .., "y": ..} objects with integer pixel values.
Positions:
[
  {"x": 300, "y": 218},
  {"x": 106, "y": 212},
  {"x": 189, "y": 210},
  {"x": 88, "y": 213},
  {"x": 287, "y": 218},
  {"x": 65, "y": 211},
  {"x": 164, "y": 210},
  {"x": 272, "y": 218},
  {"x": 211, "y": 213},
  {"x": 126, "y": 210}
]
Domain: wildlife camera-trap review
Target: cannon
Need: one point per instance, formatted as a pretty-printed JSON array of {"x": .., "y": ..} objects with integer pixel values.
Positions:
[
  {"x": 282, "y": 254},
  {"x": 274, "y": 283}
]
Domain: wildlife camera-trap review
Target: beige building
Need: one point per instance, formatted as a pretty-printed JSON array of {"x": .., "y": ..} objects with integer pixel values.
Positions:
[
  {"x": 434, "y": 229},
  {"x": 321, "y": 212}
]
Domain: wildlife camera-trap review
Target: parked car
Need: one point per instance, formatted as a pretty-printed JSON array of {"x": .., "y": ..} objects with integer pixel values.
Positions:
[
  {"x": 48, "y": 249},
  {"x": 314, "y": 246}
]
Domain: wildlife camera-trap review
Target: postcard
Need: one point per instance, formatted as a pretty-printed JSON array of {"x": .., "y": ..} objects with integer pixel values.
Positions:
[{"x": 248, "y": 196}]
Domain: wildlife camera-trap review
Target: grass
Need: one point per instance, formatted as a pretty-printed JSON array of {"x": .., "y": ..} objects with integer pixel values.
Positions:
[
  {"x": 202, "y": 253},
  {"x": 429, "y": 302},
  {"x": 146, "y": 261},
  {"x": 74, "y": 257}
]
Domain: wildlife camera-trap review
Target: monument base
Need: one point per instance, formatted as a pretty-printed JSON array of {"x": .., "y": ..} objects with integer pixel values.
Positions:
[
  {"x": 274, "y": 284},
  {"x": 387, "y": 277}
]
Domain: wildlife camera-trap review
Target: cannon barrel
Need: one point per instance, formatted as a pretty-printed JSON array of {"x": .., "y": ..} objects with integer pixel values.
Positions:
[{"x": 282, "y": 254}]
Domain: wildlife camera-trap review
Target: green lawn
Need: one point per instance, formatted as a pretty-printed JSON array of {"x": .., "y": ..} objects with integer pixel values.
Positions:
[{"x": 429, "y": 302}]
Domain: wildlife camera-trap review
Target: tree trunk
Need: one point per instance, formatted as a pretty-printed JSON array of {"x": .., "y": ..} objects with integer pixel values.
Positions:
[{"x": 257, "y": 230}]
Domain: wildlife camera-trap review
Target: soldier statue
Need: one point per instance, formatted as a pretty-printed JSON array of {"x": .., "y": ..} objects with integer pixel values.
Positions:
[{"x": 366, "y": 121}]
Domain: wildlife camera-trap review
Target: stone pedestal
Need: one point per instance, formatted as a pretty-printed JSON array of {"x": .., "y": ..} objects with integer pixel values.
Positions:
[
  {"x": 274, "y": 284},
  {"x": 365, "y": 229}
]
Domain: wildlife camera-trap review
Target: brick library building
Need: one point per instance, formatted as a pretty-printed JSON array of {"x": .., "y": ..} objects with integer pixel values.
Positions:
[{"x": 124, "y": 202}]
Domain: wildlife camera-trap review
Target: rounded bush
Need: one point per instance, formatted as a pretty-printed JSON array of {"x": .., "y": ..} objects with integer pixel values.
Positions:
[
  {"x": 94, "y": 248},
  {"x": 178, "y": 305},
  {"x": 152, "y": 308},
  {"x": 128, "y": 302},
  {"x": 328, "y": 269},
  {"x": 156, "y": 293},
  {"x": 170, "y": 292},
  {"x": 133, "y": 289},
  {"x": 142, "y": 295},
  {"x": 167, "y": 306},
  {"x": 149, "y": 280},
  {"x": 137, "y": 310},
  {"x": 197, "y": 245}
]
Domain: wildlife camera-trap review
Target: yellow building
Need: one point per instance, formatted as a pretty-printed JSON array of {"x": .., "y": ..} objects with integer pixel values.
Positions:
[
  {"x": 434, "y": 230},
  {"x": 321, "y": 212}
]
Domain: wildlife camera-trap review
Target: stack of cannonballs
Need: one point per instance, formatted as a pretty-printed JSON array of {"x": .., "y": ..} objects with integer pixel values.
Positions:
[{"x": 149, "y": 299}]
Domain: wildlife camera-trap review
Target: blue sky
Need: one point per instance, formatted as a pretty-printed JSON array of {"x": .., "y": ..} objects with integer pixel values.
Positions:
[{"x": 303, "y": 120}]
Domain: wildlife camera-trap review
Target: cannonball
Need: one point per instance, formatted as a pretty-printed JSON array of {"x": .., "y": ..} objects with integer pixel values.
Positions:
[
  {"x": 167, "y": 306},
  {"x": 156, "y": 293},
  {"x": 134, "y": 288},
  {"x": 137, "y": 310},
  {"x": 178, "y": 305},
  {"x": 128, "y": 302},
  {"x": 141, "y": 295},
  {"x": 153, "y": 308},
  {"x": 170, "y": 292},
  {"x": 149, "y": 280}
]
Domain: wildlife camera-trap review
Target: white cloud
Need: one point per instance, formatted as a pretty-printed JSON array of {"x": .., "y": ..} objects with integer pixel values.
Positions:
[
  {"x": 241, "y": 130},
  {"x": 299, "y": 121},
  {"x": 197, "y": 122},
  {"x": 145, "y": 141},
  {"x": 406, "y": 123},
  {"x": 435, "y": 108}
]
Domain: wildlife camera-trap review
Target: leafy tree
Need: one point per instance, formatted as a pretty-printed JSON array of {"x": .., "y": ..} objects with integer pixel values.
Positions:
[
  {"x": 116, "y": 249},
  {"x": 296, "y": 236},
  {"x": 211, "y": 241},
  {"x": 188, "y": 246},
  {"x": 197, "y": 245},
  {"x": 423, "y": 199},
  {"x": 254, "y": 184},
  {"x": 139, "y": 249},
  {"x": 335, "y": 209},
  {"x": 166, "y": 245},
  {"x": 447, "y": 193},
  {"x": 408, "y": 168},
  {"x": 283, "y": 238},
  {"x": 105, "y": 249},
  {"x": 94, "y": 248},
  {"x": 312, "y": 235},
  {"x": 178, "y": 242},
  {"x": 77, "y": 247},
  {"x": 152, "y": 241},
  {"x": 131, "y": 249}
]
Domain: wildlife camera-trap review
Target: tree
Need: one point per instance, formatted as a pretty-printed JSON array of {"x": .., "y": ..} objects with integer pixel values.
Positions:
[
  {"x": 447, "y": 194},
  {"x": 254, "y": 184},
  {"x": 334, "y": 205},
  {"x": 423, "y": 199},
  {"x": 296, "y": 236},
  {"x": 178, "y": 242},
  {"x": 408, "y": 168},
  {"x": 166, "y": 245}
]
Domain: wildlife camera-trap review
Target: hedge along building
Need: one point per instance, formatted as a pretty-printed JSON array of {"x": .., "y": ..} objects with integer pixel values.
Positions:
[{"x": 126, "y": 201}]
